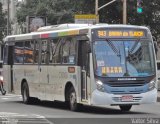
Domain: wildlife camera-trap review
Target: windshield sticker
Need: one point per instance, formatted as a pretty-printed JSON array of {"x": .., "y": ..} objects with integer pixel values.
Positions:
[
  {"x": 111, "y": 70},
  {"x": 71, "y": 59},
  {"x": 100, "y": 63}
]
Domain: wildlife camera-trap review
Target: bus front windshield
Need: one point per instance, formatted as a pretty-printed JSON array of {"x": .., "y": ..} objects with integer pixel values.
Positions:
[{"x": 123, "y": 58}]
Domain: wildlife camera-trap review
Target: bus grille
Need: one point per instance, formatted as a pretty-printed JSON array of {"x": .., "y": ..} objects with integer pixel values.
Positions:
[
  {"x": 126, "y": 83},
  {"x": 124, "y": 92}
]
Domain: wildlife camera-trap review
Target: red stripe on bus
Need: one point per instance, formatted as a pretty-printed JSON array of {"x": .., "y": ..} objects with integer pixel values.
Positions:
[{"x": 44, "y": 35}]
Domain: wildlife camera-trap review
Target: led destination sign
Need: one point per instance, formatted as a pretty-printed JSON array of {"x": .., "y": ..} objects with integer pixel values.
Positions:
[{"x": 120, "y": 34}]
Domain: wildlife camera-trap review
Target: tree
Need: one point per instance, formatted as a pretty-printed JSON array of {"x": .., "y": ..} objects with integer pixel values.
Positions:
[
  {"x": 57, "y": 11},
  {"x": 63, "y": 11},
  {"x": 149, "y": 17},
  {"x": 2, "y": 24},
  {"x": 112, "y": 14}
]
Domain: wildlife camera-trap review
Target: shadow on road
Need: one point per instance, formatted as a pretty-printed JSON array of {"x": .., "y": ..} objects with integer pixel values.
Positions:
[{"x": 83, "y": 109}]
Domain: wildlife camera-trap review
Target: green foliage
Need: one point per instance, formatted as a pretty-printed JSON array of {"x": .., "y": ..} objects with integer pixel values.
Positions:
[
  {"x": 57, "y": 11},
  {"x": 149, "y": 17},
  {"x": 2, "y": 24},
  {"x": 63, "y": 11}
]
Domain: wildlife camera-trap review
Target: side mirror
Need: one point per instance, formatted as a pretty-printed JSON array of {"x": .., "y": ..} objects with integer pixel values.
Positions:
[{"x": 155, "y": 46}]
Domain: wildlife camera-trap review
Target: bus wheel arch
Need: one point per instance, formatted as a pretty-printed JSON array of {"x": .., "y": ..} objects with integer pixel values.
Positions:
[
  {"x": 70, "y": 97},
  {"x": 67, "y": 89},
  {"x": 25, "y": 92}
]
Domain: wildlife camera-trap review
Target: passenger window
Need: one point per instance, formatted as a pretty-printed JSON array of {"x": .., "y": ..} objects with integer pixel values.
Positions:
[
  {"x": 44, "y": 52},
  {"x": 29, "y": 52},
  {"x": 69, "y": 51},
  {"x": 18, "y": 52},
  {"x": 36, "y": 52},
  {"x": 63, "y": 50},
  {"x": 55, "y": 45},
  {"x": 158, "y": 65}
]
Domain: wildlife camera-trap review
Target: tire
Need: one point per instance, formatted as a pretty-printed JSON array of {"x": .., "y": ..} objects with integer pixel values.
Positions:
[
  {"x": 2, "y": 89},
  {"x": 73, "y": 100},
  {"x": 125, "y": 108},
  {"x": 25, "y": 93}
]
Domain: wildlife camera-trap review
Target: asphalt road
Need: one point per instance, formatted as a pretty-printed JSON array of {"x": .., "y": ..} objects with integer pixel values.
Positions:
[{"x": 13, "y": 111}]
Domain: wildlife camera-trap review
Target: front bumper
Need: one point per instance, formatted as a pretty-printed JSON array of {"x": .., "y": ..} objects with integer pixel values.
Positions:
[{"x": 103, "y": 98}]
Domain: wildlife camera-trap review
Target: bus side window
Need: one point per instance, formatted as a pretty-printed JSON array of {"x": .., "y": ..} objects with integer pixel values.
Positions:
[
  {"x": 55, "y": 45},
  {"x": 44, "y": 52},
  {"x": 72, "y": 51},
  {"x": 36, "y": 50},
  {"x": 5, "y": 56},
  {"x": 28, "y": 51},
  {"x": 52, "y": 47},
  {"x": 158, "y": 65},
  {"x": 68, "y": 51},
  {"x": 18, "y": 52},
  {"x": 65, "y": 51}
]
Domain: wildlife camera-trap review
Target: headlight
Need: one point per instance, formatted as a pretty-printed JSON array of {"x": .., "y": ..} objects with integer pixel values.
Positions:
[
  {"x": 1, "y": 78},
  {"x": 100, "y": 85},
  {"x": 151, "y": 85}
]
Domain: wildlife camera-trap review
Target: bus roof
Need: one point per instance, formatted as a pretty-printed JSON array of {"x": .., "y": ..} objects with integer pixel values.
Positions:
[{"x": 65, "y": 30}]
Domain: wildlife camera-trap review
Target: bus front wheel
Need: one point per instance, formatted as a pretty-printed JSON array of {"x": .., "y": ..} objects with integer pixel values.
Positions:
[
  {"x": 25, "y": 93},
  {"x": 125, "y": 107},
  {"x": 73, "y": 100}
]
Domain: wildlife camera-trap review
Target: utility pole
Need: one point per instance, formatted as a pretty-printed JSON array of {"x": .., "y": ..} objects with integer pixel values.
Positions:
[
  {"x": 124, "y": 11},
  {"x": 96, "y": 11},
  {"x": 99, "y": 8},
  {"x": 8, "y": 13}
]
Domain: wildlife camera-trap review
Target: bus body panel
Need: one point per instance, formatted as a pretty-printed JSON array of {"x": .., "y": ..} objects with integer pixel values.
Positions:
[
  {"x": 47, "y": 84},
  {"x": 7, "y": 77},
  {"x": 28, "y": 74},
  {"x": 58, "y": 78},
  {"x": 158, "y": 74}
]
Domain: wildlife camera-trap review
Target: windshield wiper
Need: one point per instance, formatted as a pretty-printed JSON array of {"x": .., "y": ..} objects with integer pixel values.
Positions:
[
  {"x": 134, "y": 57},
  {"x": 131, "y": 56},
  {"x": 113, "y": 47},
  {"x": 135, "y": 45},
  {"x": 126, "y": 74}
]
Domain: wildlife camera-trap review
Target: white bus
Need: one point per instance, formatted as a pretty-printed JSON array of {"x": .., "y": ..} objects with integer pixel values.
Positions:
[
  {"x": 158, "y": 74},
  {"x": 83, "y": 64}
]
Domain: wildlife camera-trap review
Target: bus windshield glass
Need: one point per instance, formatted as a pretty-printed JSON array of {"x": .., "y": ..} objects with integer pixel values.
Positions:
[{"x": 124, "y": 58}]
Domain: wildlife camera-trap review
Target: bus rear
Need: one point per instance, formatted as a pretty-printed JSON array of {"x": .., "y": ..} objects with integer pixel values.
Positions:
[{"x": 124, "y": 66}]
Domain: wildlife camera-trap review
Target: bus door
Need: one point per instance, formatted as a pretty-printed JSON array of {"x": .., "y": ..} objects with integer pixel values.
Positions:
[{"x": 83, "y": 62}]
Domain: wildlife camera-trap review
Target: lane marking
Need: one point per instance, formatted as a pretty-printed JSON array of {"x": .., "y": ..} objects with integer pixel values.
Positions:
[{"x": 15, "y": 118}]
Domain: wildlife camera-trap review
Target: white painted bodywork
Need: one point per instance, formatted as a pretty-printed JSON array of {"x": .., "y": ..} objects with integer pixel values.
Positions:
[{"x": 47, "y": 82}]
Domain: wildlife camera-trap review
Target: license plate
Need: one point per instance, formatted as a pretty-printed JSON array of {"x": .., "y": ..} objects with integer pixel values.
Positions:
[{"x": 127, "y": 98}]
